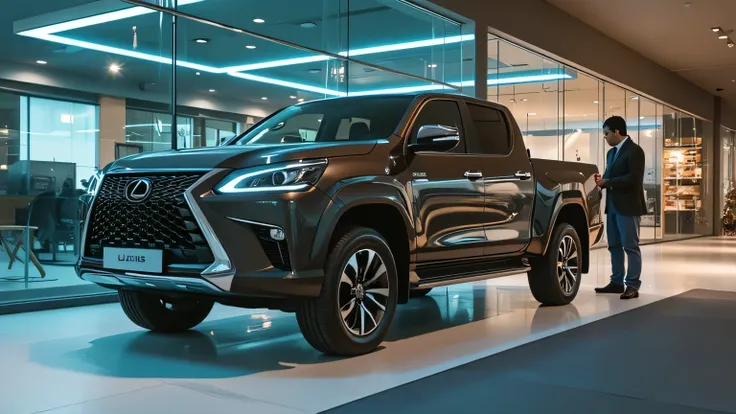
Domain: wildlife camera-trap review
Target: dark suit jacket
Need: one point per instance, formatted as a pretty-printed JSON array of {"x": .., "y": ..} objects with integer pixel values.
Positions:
[{"x": 625, "y": 186}]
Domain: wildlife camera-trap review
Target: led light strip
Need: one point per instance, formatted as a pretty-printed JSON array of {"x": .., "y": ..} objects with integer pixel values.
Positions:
[
  {"x": 48, "y": 33},
  {"x": 98, "y": 19}
]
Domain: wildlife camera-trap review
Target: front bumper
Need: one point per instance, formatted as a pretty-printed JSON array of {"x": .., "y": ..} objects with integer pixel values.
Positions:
[{"x": 248, "y": 261}]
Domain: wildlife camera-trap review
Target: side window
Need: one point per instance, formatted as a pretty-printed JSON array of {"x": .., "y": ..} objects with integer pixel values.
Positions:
[
  {"x": 445, "y": 113},
  {"x": 492, "y": 135}
]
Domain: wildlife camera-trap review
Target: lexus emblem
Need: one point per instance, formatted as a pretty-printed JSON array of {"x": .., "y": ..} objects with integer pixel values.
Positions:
[{"x": 138, "y": 190}]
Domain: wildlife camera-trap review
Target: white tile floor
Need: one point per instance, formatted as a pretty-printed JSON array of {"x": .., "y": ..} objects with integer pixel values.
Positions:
[{"x": 93, "y": 360}]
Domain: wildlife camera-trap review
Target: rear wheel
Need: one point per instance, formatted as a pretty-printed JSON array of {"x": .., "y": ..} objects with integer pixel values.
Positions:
[
  {"x": 555, "y": 278},
  {"x": 359, "y": 296},
  {"x": 158, "y": 313}
]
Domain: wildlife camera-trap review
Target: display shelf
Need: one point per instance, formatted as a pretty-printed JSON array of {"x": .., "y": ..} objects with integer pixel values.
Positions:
[{"x": 682, "y": 174}]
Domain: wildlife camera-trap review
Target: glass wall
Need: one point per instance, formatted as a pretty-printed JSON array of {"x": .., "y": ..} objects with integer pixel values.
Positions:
[
  {"x": 728, "y": 172},
  {"x": 83, "y": 83},
  {"x": 560, "y": 111}
]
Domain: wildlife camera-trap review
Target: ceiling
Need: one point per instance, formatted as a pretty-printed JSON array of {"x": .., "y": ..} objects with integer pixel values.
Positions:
[
  {"x": 224, "y": 73},
  {"x": 675, "y": 34}
]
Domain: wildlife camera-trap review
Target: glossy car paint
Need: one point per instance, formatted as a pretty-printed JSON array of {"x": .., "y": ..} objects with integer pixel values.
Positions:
[{"x": 448, "y": 218}]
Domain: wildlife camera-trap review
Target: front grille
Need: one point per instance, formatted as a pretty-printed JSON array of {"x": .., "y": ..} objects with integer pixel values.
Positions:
[{"x": 163, "y": 221}]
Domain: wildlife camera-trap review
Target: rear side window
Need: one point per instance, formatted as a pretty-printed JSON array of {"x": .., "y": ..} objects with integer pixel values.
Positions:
[{"x": 492, "y": 135}]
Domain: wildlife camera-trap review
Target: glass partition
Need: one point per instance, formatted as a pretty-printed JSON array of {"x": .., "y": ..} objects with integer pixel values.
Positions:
[
  {"x": 650, "y": 121},
  {"x": 561, "y": 110}
]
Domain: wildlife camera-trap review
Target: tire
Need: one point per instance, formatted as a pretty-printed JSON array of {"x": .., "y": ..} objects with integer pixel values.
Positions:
[
  {"x": 545, "y": 278},
  {"x": 150, "y": 311},
  {"x": 419, "y": 293},
  {"x": 321, "y": 320}
]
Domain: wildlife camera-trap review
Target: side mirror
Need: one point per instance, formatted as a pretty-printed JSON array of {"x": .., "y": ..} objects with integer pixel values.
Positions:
[{"x": 439, "y": 138}]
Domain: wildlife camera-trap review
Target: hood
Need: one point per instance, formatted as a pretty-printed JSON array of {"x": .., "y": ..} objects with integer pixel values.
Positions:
[{"x": 240, "y": 156}]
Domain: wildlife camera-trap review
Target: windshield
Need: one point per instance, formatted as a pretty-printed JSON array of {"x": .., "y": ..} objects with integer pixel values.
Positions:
[{"x": 351, "y": 119}]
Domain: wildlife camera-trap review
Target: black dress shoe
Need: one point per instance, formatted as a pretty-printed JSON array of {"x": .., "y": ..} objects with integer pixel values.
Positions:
[
  {"x": 611, "y": 288},
  {"x": 630, "y": 293}
]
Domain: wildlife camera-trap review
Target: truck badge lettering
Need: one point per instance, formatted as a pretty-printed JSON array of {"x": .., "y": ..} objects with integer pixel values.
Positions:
[{"x": 138, "y": 259}]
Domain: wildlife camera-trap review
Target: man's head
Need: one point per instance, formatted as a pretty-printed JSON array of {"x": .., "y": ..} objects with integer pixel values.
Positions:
[{"x": 614, "y": 130}]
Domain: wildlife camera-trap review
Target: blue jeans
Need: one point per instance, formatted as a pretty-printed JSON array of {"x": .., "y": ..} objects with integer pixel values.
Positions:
[{"x": 623, "y": 236}]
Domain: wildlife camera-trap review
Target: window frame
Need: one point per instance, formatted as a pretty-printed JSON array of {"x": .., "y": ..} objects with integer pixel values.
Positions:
[
  {"x": 475, "y": 134},
  {"x": 461, "y": 148}
]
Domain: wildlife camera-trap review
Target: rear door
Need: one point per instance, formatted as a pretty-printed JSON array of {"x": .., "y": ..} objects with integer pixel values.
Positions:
[
  {"x": 507, "y": 177},
  {"x": 447, "y": 191}
]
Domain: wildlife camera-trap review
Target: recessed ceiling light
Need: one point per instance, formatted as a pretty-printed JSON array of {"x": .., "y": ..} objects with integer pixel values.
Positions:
[
  {"x": 716, "y": 29},
  {"x": 723, "y": 37},
  {"x": 212, "y": 90},
  {"x": 264, "y": 98},
  {"x": 202, "y": 40},
  {"x": 532, "y": 113},
  {"x": 292, "y": 97},
  {"x": 301, "y": 100},
  {"x": 41, "y": 62},
  {"x": 259, "y": 21},
  {"x": 114, "y": 68},
  {"x": 634, "y": 98},
  {"x": 198, "y": 73},
  {"x": 250, "y": 47},
  {"x": 308, "y": 25},
  {"x": 315, "y": 70},
  {"x": 730, "y": 44},
  {"x": 595, "y": 102},
  {"x": 432, "y": 65}
]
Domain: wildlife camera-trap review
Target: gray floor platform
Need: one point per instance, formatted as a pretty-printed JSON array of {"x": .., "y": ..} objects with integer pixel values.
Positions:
[{"x": 677, "y": 355}]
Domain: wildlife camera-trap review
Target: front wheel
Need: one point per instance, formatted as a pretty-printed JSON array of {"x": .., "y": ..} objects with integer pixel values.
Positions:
[
  {"x": 359, "y": 296},
  {"x": 555, "y": 277},
  {"x": 161, "y": 314}
]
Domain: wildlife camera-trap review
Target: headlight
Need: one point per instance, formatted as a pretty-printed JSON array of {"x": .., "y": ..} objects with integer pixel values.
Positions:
[{"x": 295, "y": 176}]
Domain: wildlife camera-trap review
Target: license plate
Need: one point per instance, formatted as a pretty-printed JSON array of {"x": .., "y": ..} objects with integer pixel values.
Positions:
[{"x": 136, "y": 260}]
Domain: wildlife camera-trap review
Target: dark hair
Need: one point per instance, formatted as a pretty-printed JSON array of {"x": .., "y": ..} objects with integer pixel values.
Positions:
[{"x": 616, "y": 123}]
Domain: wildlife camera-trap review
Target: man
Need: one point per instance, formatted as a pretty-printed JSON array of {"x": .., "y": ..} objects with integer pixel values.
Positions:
[{"x": 623, "y": 182}]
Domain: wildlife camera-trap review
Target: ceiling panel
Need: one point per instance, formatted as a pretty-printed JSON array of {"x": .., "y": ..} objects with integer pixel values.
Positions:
[{"x": 675, "y": 34}]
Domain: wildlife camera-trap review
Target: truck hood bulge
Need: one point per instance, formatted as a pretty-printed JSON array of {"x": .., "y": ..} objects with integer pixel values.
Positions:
[{"x": 240, "y": 156}]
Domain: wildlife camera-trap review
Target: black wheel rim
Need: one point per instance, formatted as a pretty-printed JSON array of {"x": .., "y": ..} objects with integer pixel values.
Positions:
[
  {"x": 363, "y": 292},
  {"x": 567, "y": 265}
]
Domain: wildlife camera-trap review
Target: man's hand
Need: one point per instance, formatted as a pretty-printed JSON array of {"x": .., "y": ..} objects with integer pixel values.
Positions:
[{"x": 600, "y": 182}]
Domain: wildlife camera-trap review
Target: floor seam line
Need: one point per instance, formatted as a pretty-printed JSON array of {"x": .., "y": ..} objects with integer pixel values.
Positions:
[{"x": 99, "y": 398}]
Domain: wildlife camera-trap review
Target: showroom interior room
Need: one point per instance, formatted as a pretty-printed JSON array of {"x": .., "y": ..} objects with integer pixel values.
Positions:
[{"x": 85, "y": 83}]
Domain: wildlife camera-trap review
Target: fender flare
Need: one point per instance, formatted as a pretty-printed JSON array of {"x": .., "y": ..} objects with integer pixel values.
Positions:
[{"x": 351, "y": 195}]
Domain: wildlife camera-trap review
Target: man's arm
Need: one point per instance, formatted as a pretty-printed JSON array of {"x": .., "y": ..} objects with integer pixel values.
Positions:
[{"x": 635, "y": 175}]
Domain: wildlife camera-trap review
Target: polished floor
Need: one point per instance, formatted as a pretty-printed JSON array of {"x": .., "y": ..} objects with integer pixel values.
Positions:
[{"x": 93, "y": 360}]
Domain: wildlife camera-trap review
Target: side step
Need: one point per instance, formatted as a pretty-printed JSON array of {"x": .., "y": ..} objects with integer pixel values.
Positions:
[{"x": 445, "y": 276}]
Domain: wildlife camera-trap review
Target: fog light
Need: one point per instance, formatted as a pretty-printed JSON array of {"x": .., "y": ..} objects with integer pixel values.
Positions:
[{"x": 277, "y": 234}]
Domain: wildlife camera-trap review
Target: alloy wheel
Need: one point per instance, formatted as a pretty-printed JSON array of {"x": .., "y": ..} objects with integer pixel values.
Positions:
[
  {"x": 363, "y": 292},
  {"x": 567, "y": 265}
]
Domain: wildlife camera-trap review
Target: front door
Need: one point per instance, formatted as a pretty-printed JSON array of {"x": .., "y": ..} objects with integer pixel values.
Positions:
[{"x": 447, "y": 190}]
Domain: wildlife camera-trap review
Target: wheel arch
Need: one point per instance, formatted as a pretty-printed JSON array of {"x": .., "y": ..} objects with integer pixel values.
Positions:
[
  {"x": 568, "y": 207},
  {"x": 385, "y": 211}
]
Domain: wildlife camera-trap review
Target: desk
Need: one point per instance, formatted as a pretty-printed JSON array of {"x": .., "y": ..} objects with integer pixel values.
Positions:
[{"x": 19, "y": 243}]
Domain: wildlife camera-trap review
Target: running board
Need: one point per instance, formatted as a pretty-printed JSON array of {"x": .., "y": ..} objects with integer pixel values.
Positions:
[{"x": 473, "y": 277}]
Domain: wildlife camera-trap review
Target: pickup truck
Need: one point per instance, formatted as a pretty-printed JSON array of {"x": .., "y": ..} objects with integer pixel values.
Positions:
[{"x": 339, "y": 210}]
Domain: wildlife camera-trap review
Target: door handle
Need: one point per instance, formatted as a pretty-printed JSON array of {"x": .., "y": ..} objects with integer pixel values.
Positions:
[
  {"x": 523, "y": 175},
  {"x": 473, "y": 175}
]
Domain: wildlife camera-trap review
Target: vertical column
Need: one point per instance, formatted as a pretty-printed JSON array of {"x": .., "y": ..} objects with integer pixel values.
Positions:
[
  {"x": 717, "y": 184},
  {"x": 481, "y": 59},
  {"x": 112, "y": 128}
]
